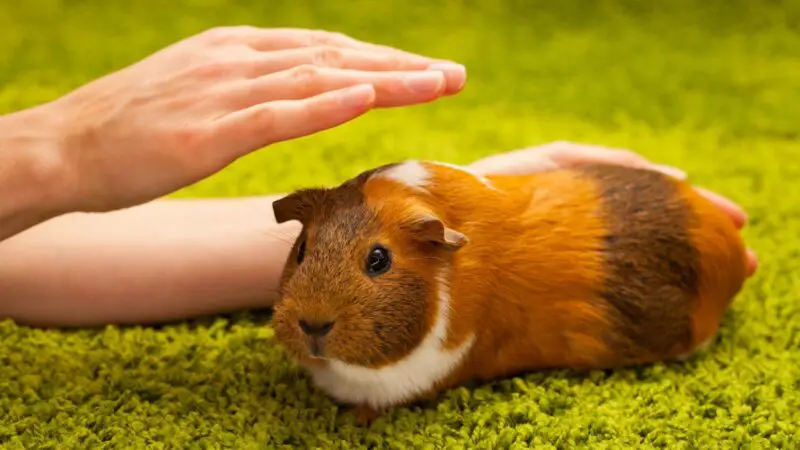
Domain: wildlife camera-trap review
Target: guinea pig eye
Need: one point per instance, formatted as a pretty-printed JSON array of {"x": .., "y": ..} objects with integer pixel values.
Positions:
[
  {"x": 301, "y": 252},
  {"x": 379, "y": 261}
]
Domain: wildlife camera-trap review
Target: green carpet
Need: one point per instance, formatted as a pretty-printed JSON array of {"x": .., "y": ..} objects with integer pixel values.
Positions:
[{"x": 712, "y": 87}]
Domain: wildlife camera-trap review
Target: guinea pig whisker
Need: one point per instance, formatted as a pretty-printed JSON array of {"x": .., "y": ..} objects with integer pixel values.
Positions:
[
  {"x": 282, "y": 239},
  {"x": 279, "y": 236},
  {"x": 424, "y": 258}
]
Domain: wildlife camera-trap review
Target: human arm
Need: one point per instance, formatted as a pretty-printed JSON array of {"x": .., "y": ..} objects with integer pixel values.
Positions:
[
  {"x": 28, "y": 171},
  {"x": 164, "y": 260},
  {"x": 193, "y": 108},
  {"x": 176, "y": 259}
]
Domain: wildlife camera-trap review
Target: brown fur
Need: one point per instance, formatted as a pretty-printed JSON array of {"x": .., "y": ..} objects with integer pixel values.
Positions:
[
  {"x": 596, "y": 267},
  {"x": 376, "y": 321},
  {"x": 651, "y": 266}
]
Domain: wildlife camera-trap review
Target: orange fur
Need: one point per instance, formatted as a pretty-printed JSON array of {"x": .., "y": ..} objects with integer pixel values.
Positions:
[
  {"x": 723, "y": 269},
  {"x": 542, "y": 235},
  {"x": 528, "y": 269}
]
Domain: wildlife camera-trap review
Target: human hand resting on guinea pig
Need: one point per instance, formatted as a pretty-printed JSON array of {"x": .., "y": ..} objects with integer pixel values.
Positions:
[{"x": 564, "y": 154}]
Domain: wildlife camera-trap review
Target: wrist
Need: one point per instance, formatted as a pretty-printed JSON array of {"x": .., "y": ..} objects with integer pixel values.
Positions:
[{"x": 32, "y": 171}]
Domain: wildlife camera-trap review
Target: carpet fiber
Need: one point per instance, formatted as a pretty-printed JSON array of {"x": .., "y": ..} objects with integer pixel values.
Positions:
[{"x": 712, "y": 87}]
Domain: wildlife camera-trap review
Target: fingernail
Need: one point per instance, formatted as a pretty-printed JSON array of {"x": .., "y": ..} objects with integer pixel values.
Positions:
[
  {"x": 448, "y": 67},
  {"x": 456, "y": 74},
  {"x": 425, "y": 82},
  {"x": 358, "y": 96},
  {"x": 671, "y": 171}
]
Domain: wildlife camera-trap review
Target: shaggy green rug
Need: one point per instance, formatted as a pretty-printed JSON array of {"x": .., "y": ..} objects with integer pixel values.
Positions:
[{"x": 712, "y": 87}]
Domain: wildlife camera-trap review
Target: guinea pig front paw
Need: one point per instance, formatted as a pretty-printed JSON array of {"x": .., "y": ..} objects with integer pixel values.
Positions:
[{"x": 366, "y": 415}]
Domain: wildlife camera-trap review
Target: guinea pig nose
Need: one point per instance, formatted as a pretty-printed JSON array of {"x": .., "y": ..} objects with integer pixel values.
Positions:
[{"x": 317, "y": 329}]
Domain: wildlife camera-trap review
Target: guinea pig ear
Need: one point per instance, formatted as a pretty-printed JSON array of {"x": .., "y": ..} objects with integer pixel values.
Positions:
[
  {"x": 295, "y": 206},
  {"x": 430, "y": 228}
]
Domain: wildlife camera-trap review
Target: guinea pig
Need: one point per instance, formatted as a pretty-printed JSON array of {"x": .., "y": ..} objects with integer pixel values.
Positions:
[{"x": 417, "y": 276}]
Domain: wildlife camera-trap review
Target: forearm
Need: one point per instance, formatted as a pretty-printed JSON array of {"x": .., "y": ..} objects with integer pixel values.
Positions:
[
  {"x": 29, "y": 170},
  {"x": 165, "y": 260}
]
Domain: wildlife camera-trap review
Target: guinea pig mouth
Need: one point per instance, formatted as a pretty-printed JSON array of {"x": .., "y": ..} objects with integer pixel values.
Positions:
[
  {"x": 311, "y": 354},
  {"x": 316, "y": 348}
]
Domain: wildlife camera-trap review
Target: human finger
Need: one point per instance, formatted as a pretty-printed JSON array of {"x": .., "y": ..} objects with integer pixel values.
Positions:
[
  {"x": 733, "y": 210},
  {"x": 282, "y": 38},
  {"x": 564, "y": 154},
  {"x": 290, "y": 38},
  {"x": 347, "y": 58},
  {"x": 333, "y": 57},
  {"x": 393, "y": 88},
  {"x": 271, "y": 39},
  {"x": 752, "y": 262},
  {"x": 267, "y": 123},
  {"x": 568, "y": 154}
]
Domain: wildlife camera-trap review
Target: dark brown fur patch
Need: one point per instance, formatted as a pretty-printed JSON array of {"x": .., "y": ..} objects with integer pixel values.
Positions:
[
  {"x": 376, "y": 320},
  {"x": 651, "y": 265}
]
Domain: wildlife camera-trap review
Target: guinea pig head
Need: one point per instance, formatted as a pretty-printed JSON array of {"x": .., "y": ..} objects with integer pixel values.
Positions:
[{"x": 359, "y": 285}]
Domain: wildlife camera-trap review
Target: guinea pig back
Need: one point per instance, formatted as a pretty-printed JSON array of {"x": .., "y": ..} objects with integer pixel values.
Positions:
[{"x": 417, "y": 276}]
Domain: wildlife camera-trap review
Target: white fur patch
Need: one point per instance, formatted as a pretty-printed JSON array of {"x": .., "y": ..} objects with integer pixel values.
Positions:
[
  {"x": 410, "y": 173},
  {"x": 415, "y": 175},
  {"x": 403, "y": 380}
]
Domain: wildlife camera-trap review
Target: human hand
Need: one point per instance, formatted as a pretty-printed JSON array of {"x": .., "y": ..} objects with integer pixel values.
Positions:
[
  {"x": 567, "y": 154},
  {"x": 193, "y": 108}
]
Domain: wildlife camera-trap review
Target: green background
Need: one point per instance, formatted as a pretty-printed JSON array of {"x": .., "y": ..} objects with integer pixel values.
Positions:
[{"x": 712, "y": 87}]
